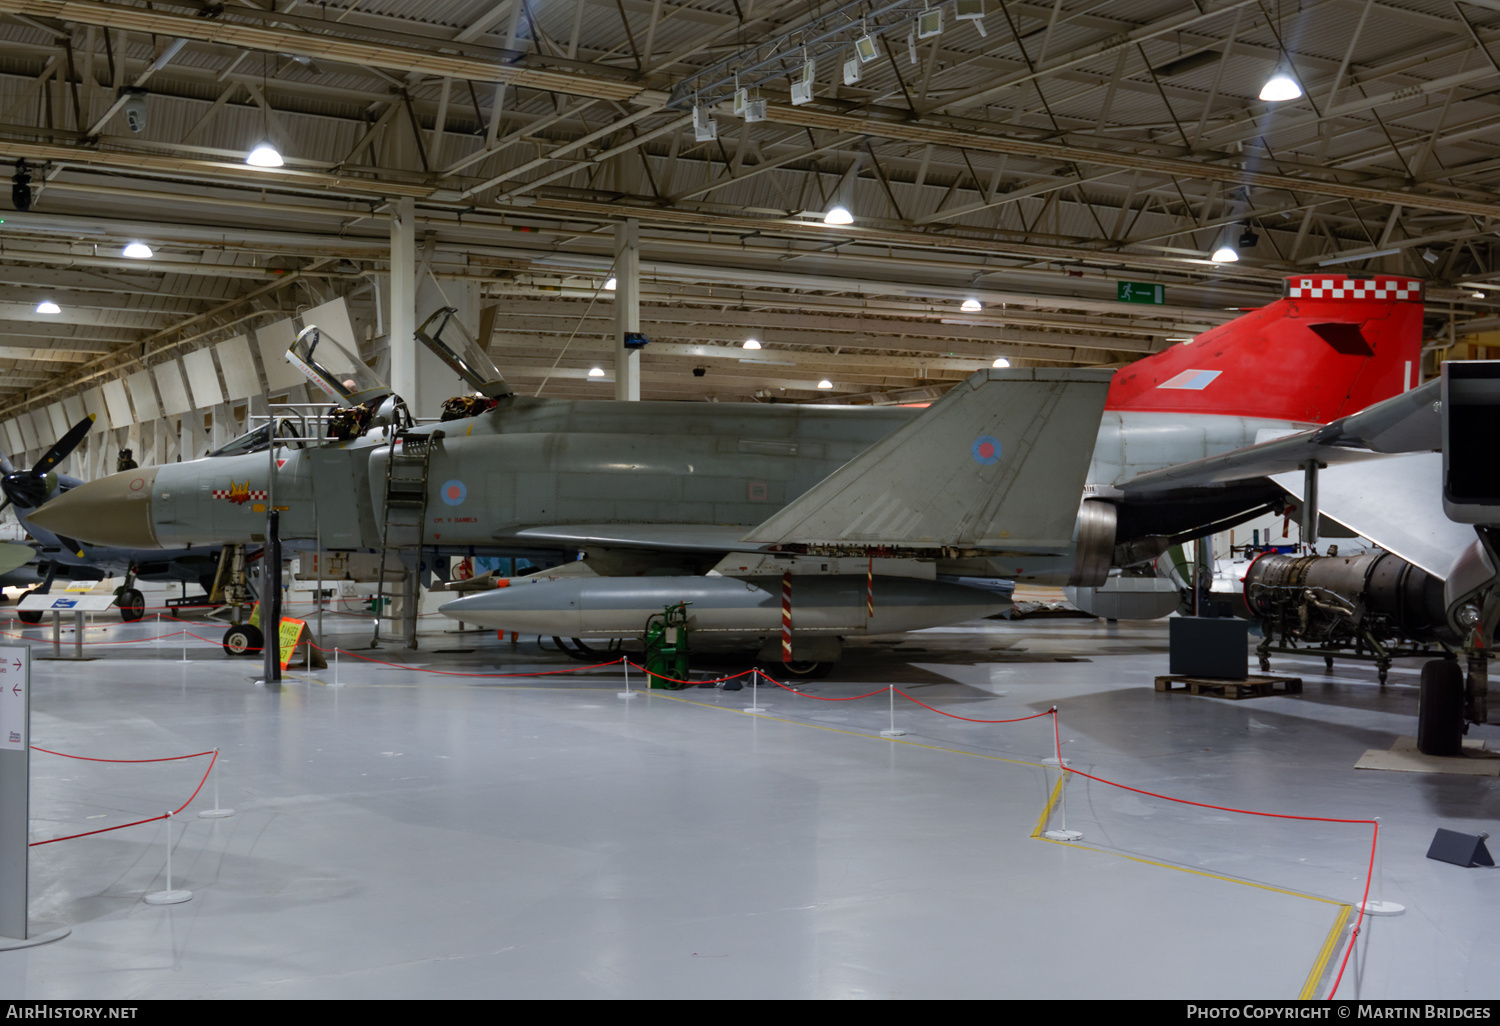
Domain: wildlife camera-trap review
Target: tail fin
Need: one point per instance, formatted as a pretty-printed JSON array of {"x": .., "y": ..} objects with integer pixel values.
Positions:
[
  {"x": 1331, "y": 346},
  {"x": 998, "y": 463}
]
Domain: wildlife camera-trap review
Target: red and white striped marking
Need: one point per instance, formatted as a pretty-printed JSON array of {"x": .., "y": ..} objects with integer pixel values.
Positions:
[
  {"x": 786, "y": 617},
  {"x": 870, "y": 590}
]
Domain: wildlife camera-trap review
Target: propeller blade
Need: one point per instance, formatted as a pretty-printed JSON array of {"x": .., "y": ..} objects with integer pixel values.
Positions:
[
  {"x": 4, "y": 504},
  {"x": 66, "y": 444},
  {"x": 71, "y": 545}
]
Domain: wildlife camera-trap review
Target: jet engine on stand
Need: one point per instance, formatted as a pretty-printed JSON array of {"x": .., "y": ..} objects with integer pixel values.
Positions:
[{"x": 1375, "y": 605}]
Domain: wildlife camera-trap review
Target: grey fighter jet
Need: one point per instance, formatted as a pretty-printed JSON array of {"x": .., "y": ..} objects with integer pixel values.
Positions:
[{"x": 932, "y": 511}]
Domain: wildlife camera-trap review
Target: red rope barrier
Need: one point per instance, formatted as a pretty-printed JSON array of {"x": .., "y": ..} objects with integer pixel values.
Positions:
[
  {"x": 674, "y": 680},
  {"x": 85, "y": 758},
  {"x": 151, "y": 819},
  {"x": 970, "y": 719}
]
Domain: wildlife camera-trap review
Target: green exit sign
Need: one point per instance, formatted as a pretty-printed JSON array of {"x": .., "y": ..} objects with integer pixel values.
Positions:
[{"x": 1140, "y": 292}]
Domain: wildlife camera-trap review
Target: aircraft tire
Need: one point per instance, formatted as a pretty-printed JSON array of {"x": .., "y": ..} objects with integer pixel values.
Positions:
[
  {"x": 1440, "y": 709},
  {"x": 805, "y": 668},
  {"x": 29, "y": 615},
  {"x": 132, "y": 606},
  {"x": 243, "y": 639}
]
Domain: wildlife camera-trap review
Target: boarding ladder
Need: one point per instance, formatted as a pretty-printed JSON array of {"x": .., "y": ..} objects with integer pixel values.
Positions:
[{"x": 405, "y": 518}]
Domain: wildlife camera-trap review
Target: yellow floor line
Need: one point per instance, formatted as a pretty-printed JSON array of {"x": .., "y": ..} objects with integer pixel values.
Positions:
[{"x": 1330, "y": 946}]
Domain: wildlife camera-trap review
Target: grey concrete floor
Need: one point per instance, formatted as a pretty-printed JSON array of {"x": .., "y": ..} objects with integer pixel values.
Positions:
[{"x": 423, "y": 836}]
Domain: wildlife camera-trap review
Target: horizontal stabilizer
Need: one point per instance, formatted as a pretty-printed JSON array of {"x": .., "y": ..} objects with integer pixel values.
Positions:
[{"x": 998, "y": 463}]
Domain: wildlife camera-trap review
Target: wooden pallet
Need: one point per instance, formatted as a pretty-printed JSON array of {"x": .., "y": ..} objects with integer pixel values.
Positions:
[{"x": 1219, "y": 687}]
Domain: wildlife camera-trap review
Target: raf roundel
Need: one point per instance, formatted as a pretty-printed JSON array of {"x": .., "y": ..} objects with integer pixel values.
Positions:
[
  {"x": 453, "y": 492},
  {"x": 986, "y": 449}
]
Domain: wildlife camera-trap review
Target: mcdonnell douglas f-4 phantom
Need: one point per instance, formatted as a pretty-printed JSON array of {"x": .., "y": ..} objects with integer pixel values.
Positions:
[{"x": 713, "y": 504}]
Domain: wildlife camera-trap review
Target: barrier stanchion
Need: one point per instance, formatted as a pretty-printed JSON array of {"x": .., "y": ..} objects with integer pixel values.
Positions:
[
  {"x": 893, "y": 732},
  {"x": 184, "y": 634},
  {"x": 627, "y": 693},
  {"x": 1374, "y": 906},
  {"x": 336, "y": 683},
  {"x": 1062, "y": 834},
  {"x": 755, "y": 706},
  {"x": 215, "y": 812},
  {"x": 168, "y": 896}
]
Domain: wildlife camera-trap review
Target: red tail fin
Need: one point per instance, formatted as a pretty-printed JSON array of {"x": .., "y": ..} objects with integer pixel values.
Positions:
[{"x": 1331, "y": 346}]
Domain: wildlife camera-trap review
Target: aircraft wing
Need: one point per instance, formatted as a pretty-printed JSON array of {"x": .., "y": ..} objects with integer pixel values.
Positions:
[
  {"x": 14, "y": 555},
  {"x": 1405, "y": 423},
  {"x": 1395, "y": 501}
]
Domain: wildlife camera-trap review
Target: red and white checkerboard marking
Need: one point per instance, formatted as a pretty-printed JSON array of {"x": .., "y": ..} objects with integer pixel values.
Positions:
[
  {"x": 1354, "y": 288},
  {"x": 258, "y": 494}
]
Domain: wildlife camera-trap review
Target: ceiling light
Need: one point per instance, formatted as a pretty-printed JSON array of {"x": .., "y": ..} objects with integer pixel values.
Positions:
[
  {"x": 930, "y": 23},
  {"x": 609, "y": 286},
  {"x": 138, "y": 251},
  {"x": 1280, "y": 86},
  {"x": 750, "y": 343},
  {"x": 1181, "y": 338},
  {"x": 866, "y": 49},
  {"x": 596, "y": 372},
  {"x": 46, "y": 306},
  {"x": 264, "y": 155},
  {"x": 838, "y": 215},
  {"x": 971, "y": 306},
  {"x": 1000, "y": 361},
  {"x": 825, "y": 383},
  {"x": 1429, "y": 256},
  {"x": 802, "y": 82},
  {"x": 1225, "y": 255},
  {"x": 1249, "y": 239},
  {"x": 1477, "y": 295}
]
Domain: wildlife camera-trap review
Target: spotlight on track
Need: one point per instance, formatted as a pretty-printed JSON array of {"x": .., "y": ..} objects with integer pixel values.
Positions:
[
  {"x": 20, "y": 186},
  {"x": 971, "y": 10},
  {"x": 705, "y": 128},
  {"x": 802, "y": 82},
  {"x": 930, "y": 23}
]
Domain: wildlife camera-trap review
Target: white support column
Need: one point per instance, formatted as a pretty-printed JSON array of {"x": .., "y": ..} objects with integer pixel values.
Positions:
[
  {"x": 403, "y": 293},
  {"x": 627, "y": 309}
]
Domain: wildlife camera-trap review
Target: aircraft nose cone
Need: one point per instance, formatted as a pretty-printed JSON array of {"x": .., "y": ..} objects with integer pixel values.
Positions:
[{"x": 114, "y": 510}]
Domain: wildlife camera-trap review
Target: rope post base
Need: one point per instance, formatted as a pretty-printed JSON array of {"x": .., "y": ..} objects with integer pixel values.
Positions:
[
  {"x": 1062, "y": 835},
  {"x": 1373, "y": 905},
  {"x": 216, "y": 812},
  {"x": 893, "y": 732},
  {"x": 627, "y": 693},
  {"x": 755, "y": 706},
  {"x": 169, "y": 896}
]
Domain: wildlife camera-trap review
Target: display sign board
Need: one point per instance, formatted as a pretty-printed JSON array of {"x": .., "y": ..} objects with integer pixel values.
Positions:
[
  {"x": 15, "y": 786},
  {"x": 67, "y": 603},
  {"x": 1141, "y": 292}
]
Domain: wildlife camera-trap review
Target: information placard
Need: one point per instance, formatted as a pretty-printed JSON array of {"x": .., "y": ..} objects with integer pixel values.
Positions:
[{"x": 15, "y": 787}]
